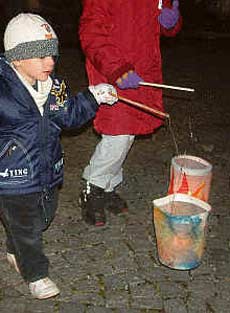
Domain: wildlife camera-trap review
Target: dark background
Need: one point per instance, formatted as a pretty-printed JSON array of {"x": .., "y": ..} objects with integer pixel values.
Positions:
[{"x": 199, "y": 15}]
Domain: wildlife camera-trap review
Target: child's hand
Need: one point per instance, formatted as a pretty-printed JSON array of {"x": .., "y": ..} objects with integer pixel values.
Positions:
[
  {"x": 129, "y": 80},
  {"x": 169, "y": 17},
  {"x": 104, "y": 93}
]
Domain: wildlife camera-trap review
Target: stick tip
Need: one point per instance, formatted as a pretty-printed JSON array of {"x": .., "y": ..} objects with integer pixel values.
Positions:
[{"x": 167, "y": 115}]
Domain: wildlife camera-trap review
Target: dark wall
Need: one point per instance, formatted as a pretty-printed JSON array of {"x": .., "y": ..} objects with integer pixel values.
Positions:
[{"x": 64, "y": 15}]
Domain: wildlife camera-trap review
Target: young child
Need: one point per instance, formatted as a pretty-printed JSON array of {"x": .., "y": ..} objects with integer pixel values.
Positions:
[
  {"x": 34, "y": 108},
  {"x": 124, "y": 51}
]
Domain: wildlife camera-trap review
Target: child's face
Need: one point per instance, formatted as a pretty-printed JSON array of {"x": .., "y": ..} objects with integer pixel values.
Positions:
[{"x": 35, "y": 69}]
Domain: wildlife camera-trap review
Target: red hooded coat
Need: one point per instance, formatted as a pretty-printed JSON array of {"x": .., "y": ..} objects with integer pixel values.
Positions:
[{"x": 116, "y": 36}]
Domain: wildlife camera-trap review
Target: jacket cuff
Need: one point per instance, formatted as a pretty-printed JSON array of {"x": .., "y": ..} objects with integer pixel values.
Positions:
[
  {"x": 119, "y": 72},
  {"x": 89, "y": 96},
  {"x": 174, "y": 30}
]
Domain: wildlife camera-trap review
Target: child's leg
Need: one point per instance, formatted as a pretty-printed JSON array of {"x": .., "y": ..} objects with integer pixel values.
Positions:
[
  {"x": 24, "y": 218},
  {"x": 103, "y": 174},
  {"x": 105, "y": 167}
]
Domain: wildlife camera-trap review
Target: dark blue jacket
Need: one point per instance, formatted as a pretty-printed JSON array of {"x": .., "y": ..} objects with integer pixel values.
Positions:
[{"x": 31, "y": 157}]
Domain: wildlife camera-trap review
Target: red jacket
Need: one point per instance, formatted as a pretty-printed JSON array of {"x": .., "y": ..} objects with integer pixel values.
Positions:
[{"x": 116, "y": 36}]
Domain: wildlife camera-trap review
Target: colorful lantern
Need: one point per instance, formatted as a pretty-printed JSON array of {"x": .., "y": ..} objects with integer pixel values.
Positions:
[
  {"x": 180, "y": 223},
  {"x": 190, "y": 175}
]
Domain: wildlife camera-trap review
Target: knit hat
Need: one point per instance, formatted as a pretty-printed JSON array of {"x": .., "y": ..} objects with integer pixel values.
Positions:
[{"x": 29, "y": 36}]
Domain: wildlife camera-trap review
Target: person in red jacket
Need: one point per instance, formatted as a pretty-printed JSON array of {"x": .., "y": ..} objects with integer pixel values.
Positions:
[{"x": 121, "y": 42}]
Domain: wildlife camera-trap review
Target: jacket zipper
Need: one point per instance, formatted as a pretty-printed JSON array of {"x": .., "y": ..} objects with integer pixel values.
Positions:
[
  {"x": 45, "y": 194},
  {"x": 46, "y": 197}
]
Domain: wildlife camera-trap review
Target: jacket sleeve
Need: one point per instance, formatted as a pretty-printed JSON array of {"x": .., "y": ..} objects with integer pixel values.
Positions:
[
  {"x": 97, "y": 44},
  {"x": 72, "y": 111},
  {"x": 172, "y": 31}
]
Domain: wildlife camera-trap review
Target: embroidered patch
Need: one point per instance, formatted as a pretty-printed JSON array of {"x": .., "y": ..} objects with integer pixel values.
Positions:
[
  {"x": 54, "y": 107},
  {"x": 60, "y": 94},
  {"x": 15, "y": 173},
  {"x": 48, "y": 35},
  {"x": 59, "y": 165}
]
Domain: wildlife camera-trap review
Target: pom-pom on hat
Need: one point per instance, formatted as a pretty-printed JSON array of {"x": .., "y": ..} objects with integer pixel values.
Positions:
[{"x": 29, "y": 36}]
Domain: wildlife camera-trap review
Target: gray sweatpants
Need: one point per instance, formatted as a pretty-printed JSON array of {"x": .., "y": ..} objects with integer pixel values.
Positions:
[{"x": 105, "y": 167}]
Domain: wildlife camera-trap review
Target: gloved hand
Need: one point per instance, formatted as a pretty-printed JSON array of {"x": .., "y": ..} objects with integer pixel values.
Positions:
[
  {"x": 104, "y": 93},
  {"x": 129, "y": 80},
  {"x": 169, "y": 17}
]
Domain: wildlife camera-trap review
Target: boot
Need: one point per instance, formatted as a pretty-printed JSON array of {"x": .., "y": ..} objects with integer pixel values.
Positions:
[
  {"x": 92, "y": 202},
  {"x": 115, "y": 204}
]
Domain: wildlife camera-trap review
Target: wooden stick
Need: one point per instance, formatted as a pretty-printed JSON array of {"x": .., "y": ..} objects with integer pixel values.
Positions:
[
  {"x": 166, "y": 86},
  {"x": 142, "y": 106}
]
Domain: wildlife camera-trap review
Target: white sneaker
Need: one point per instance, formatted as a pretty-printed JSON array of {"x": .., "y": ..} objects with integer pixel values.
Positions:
[
  {"x": 43, "y": 288},
  {"x": 12, "y": 261}
]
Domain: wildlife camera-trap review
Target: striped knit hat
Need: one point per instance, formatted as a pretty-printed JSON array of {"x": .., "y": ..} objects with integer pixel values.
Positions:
[{"x": 29, "y": 36}]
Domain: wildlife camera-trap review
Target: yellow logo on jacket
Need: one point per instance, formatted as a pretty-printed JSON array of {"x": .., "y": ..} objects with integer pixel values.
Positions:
[{"x": 59, "y": 91}]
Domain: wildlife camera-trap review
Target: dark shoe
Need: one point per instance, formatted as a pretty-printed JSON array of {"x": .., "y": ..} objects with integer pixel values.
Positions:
[
  {"x": 92, "y": 202},
  {"x": 115, "y": 204}
]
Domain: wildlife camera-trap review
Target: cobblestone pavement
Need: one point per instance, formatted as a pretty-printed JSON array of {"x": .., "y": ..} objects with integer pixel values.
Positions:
[{"x": 115, "y": 269}]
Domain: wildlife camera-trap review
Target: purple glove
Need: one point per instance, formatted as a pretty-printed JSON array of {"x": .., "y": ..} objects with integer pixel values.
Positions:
[
  {"x": 169, "y": 17},
  {"x": 129, "y": 80}
]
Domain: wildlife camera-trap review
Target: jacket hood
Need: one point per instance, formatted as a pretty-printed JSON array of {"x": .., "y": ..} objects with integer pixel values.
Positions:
[{"x": 5, "y": 69}]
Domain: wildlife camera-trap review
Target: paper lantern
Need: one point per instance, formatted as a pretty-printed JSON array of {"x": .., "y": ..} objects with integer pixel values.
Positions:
[
  {"x": 180, "y": 223},
  {"x": 190, "y": 175}
]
